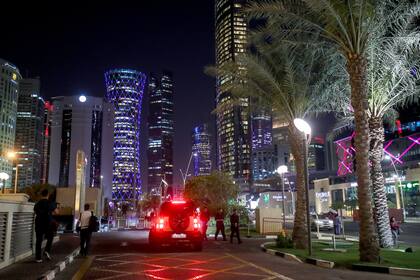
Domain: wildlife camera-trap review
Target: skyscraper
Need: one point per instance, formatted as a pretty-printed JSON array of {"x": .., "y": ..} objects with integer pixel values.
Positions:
[
  {"x": 45, "y": 160},
  {"x": 201, "y": 148},
  {"x": 233, "y": 122},
  {"x": 78, "y": 135},
  {"x": 29, "y": 133},
  {"x": 263, "y": 156},
  {"x": 125, "y": 91},
  {"x": 161, "y": 130},
  {"x": 9, "y": 79}
]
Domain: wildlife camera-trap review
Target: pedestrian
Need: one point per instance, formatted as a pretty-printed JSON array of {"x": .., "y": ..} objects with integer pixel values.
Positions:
[
  {"x": 337, "y": 224},
  {"x": 44, "y": 209},
  {"x": 204, "y": 217},
  {"x": 85, "y": 232},
  {"x": 234, "y": 226},
  {"x": 395, "y": 230},
  {"x": 220, "y": 226}
]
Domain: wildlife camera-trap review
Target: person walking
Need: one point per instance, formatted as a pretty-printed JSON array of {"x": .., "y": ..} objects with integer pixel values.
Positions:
[
  {"x": 85, "y": 232},
  {"x": 234, "y": 226},
  {"x": 43, "y": 225},
  {"x": 220, "y": 226},
  {"x": 395, "y": 230},
  {"x": 337, "y": 224},
  {"x": 204, "y": 217}
]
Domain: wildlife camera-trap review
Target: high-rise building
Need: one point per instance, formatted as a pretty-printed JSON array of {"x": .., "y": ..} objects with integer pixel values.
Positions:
[
  {"x": 316, "y": 154},
  {"x": 9, "y": 86},
  {"x": 125, "y": 91},
  {"x": 201, "y": 148},
  {"x": 29, "y": 133},
  {"x": 233, "y": 121},
  {"x": 80, "y": 136},
  {"x": 46, "y": 143},
  {"x": 263, "y": 155},
  {"x": 161, "y": 130},
  {"x": 281, "y": 142}
]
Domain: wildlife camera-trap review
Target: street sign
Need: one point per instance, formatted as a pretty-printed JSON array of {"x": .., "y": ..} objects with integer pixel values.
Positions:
[{"x": 409, "y": 185}]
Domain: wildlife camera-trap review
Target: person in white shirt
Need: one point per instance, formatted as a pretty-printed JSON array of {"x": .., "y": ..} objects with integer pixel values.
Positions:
[{"x": 85, "y": 232}]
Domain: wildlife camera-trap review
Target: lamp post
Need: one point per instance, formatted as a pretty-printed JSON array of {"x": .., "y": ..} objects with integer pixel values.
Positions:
[
  {"x": 305, "y": 128},
  {"x": 282, "y": 169},
  {"x": 398, "y": 187},
  {"x": 12, "y": 156},
  {"x": 3, "y": 177},
  {"x": 185, "y": 175}
]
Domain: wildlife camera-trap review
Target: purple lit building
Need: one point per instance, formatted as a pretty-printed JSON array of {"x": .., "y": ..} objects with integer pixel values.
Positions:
[
  {"x": 125, "y": 91},
  {"x": 201, "y": 148}
]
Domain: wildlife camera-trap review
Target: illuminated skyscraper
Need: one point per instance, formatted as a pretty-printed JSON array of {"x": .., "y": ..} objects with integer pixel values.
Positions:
[
  {"x": 201, "y": 148},
  {"x": 125, "y": 91},
  {"x": 161, "y": 130},
  {"x": 263, "y": 155},
  {"x": 9, "y": 79},
  {"x": 233, "y": 122},
  {"x": 29, "y": 133}
]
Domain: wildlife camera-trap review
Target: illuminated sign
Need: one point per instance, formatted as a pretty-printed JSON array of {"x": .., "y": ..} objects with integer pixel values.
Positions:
[
  {"x": 322, "y": 196},
  {"x": 409, "y": 185}
]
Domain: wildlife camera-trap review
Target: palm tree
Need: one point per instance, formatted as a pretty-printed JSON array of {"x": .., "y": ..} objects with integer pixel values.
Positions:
[
  {"x": 347, "y": 26},
  {"x": 392, "y": 81},
  {"x": 294, "y": 83}
]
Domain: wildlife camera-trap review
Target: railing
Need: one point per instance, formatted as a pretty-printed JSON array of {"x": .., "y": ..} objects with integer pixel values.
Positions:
[
  {"x": 272, "y": 225},
  {"x": 16, "y": 230}
]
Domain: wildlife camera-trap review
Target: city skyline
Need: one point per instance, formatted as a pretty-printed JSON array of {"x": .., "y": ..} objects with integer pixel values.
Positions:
[{"x": 135, "y": 35}]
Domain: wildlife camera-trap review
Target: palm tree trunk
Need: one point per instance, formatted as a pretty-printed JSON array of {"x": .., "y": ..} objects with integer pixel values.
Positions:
[
  {"x": 368, "y": 245},
  {"x": 376, "y": 131},
  {"x": 300, "y": 230}
]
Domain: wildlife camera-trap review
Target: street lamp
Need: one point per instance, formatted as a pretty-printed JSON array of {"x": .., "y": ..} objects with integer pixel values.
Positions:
[
  {"x": 3, "y": 177},
  {"x": 305, "y": 128},
  {"x": 398, "y": 186},
  {"x": 185, "y": 175},
  {"x": 282, "y": 169},
  {"x": 12, "y": 155}
]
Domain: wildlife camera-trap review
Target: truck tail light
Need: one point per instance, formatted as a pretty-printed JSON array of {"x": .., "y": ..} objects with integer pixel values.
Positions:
[
  {"x": 196, "y": 224},
  {"x": 160, "y": 223}
]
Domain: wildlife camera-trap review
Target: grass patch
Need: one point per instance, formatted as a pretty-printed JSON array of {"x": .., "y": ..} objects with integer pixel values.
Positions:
[{"x": 389, "y": 258}]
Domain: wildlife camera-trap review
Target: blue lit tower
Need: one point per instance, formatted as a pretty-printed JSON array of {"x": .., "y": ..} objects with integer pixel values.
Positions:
[
  {"x": 263, "y": 154},
  {"x": 201, "y": 147},
  {"x": 125, "y": 91},
  {"x": 161, "y": 130}
]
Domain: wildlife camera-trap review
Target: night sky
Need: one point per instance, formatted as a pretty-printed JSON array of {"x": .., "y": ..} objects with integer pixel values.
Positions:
[{"x": 71, "y": 45}]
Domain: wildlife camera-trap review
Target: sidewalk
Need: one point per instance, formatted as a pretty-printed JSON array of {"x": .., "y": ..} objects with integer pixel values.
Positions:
[{"x": 28, "y": 269}]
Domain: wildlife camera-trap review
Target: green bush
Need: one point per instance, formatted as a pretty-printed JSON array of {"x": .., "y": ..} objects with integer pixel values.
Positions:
[{"x": 284, "y": 241}]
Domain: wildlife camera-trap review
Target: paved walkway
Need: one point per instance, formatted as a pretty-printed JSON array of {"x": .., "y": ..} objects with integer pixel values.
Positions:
[{"x": 28, "y": 269}]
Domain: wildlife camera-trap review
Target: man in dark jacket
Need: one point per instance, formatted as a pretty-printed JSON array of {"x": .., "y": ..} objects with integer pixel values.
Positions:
[
  {"x": 43, "y": 225},
  {"x": 220, "y": 226},
  {"x": 205, "y": 217},
  {"x": 234, "y": 226}
]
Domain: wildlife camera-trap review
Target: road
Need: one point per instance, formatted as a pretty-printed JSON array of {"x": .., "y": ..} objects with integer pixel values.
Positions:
[{"x": 126, "y": 255}]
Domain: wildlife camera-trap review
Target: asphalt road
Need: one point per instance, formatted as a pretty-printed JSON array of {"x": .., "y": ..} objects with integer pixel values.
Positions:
[{"x": 126, "y": 255}]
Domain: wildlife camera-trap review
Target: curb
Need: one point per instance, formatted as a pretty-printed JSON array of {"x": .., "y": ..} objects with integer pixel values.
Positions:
[
  {"x": 286, "y": 256},
  {"x": 313, "y": 261},
  {"x": 60, "y": 266},
  {"x": 388, "y": 270}
]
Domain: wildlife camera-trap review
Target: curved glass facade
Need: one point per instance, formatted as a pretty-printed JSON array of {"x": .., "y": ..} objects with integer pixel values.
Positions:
[{"x": 125, "y": 91}]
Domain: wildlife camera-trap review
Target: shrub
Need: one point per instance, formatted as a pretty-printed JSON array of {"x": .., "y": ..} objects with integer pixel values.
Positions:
[{"x": 284, "y": 241}]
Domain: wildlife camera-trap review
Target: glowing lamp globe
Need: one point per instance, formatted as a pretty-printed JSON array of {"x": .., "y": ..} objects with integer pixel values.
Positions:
[
  {"x": 82, "y": 98},
  {"x": 282, "y": 169},
  {"x": 302, "y": 126}
]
